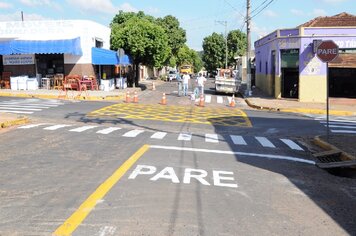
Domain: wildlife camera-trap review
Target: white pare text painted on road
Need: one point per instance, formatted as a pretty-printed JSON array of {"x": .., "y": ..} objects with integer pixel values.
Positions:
[{"x": 220, "y": 178}]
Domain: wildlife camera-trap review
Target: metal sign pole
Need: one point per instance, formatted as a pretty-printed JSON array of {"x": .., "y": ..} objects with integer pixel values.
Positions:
[{"x": 327, "y": 101}]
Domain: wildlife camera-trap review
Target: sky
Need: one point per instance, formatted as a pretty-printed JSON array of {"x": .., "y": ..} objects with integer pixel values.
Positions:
[{"x": 200, "y": 18}]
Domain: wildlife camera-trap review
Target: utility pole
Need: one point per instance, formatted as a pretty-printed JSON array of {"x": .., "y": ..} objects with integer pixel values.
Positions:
[
  {"x": 224, "y": 23},
  {"x": 248, "y": 53}
]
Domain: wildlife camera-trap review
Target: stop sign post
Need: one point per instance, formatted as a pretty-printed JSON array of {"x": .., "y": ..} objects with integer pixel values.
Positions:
[{"x": 327, "y": 51}]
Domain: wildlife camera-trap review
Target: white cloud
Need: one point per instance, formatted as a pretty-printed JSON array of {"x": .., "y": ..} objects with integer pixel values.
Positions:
[
  {"x": 16, "y": 16},
  {"x": 101, "y": 6},
  {"x": 33, "y": 3},
  {"x": 319, "y": 12},
  {"x": 297, "y": 12},
  {"x": 270, "y": 13},
  {"x": 5, "y": 5},
  {"x": 127, "y": 8}
]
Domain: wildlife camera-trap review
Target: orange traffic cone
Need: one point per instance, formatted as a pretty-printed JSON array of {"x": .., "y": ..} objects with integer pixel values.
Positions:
[
  {"x": 232, "y": 103},
  {"x": 127, "y": 97},
  {"x": 153, "y": 86},
  {"x": 201, "y": 100},
  {"x": 164, "y": 101},
  {"x": 135, "y": 98}
]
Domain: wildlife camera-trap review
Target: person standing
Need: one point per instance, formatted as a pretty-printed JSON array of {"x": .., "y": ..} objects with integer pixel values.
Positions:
[
  {"x": 201, "y": 81},
  {"x": 186, "y": 79}
]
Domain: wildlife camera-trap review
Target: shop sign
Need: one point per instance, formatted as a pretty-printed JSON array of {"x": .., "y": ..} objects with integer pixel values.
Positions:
[{"x": 9, "y": 60}]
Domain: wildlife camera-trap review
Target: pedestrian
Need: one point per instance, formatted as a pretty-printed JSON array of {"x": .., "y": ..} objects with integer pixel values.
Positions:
[
  {"x": 201, "y": 81},
  {"x": 186, "y": 79}
]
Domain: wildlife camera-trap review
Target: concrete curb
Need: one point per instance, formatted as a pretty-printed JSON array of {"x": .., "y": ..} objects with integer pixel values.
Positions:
[
  {"x": 300, "y": 110},
  {"x": 19, "y": 121},
  {"x": 327, "y": 146}
]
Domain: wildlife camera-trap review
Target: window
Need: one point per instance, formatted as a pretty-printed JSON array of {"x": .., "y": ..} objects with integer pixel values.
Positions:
[
  {"x": 266, "y": 67},
  {"x": 260, "y": 66}
]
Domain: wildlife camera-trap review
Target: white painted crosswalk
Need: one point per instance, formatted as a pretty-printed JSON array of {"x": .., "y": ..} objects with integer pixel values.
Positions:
[
  {"x": 338, "y": 124},
  {"x": 211, "y": 138},
  {"x": 28, "y": 106}
]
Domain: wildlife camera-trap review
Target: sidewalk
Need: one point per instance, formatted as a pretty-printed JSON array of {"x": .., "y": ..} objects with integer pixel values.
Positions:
[{"x": 338, "y": 107}]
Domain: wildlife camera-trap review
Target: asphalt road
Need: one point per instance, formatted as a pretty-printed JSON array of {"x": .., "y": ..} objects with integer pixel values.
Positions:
[{"x": 70, "y": 173}]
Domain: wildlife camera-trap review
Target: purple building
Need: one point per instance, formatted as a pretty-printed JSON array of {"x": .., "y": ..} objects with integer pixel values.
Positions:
[{"x": 287, "y": 67}]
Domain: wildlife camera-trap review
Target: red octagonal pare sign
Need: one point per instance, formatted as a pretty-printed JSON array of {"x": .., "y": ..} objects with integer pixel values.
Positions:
[{"x": 327, "y": 51}]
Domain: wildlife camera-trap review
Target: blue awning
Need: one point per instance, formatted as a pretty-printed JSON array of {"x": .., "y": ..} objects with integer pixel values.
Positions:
[
  {"x": 125, "y": 60},
  {"x": 101, "y": 56},
  {"x": 66, "y": 46}
]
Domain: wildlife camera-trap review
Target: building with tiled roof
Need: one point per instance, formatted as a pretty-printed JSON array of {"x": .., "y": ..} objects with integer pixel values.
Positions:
[{"x": 287, "y": 66}]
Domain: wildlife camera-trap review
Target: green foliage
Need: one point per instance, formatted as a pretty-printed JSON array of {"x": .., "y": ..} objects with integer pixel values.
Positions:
[
  {"x": 176, "y": 34},
  {"x": 237, "y": 45},
  {"x": 214, "y": 52},
  {"x": 144, "y": 40},
  {"x": 189, "y": 56}
]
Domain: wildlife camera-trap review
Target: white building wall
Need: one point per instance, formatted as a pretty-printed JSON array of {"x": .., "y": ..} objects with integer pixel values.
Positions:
[{"x": 87, "y": 30}]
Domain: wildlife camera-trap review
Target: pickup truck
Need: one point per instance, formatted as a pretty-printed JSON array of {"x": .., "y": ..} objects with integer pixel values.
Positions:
[{"x": 227, "y": 81}]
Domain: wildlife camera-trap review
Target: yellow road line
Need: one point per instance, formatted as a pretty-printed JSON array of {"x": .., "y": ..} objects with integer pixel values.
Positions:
[{"x": 68, "y": 227}]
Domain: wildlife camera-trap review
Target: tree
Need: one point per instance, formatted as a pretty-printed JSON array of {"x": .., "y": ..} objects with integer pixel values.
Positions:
[
  {"x": 176, "y": 34},
  {"x": 214, "y": 52},
  {"x": 237, "y": 44},
  {"x": 189, "y": 56},
  {"x": 145, "y": 41}
]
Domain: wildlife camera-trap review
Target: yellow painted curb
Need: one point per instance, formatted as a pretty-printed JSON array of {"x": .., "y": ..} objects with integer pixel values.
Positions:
[
  {"x": 19, "y": 121},
  {"x": 327, "y": 146}
]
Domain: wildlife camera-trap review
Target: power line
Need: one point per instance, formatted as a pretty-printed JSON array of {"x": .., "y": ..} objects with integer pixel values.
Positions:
[
  {"x": 259, "y": 6},
  {"x": 262, "y": 9}
]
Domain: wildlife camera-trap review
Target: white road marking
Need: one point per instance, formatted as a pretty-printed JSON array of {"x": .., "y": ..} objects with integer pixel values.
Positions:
[
  {"x": 159, "y": 135},
  {"x": 219, "y": 99},
  {"x": 31, "y": 126},
  {"x": 21, "y": 109},
  {"x": 265, "y": 142},
  {"x": 238, "y": 140},
  {"x": 343, "y": 131},
  {"x": 269, "y": 156},
  {"x": 133, "y": 133},
  {"x": 108, "y": 130},
  {"x": 83, "y": 128},
  {"x": 107, "y": 230},
  {"x": 17, "y": 112},
  {"x": 339, "y": 123},
  {"x": 185, "y": 137},
  {"x": 24, "y": 106},
  {"x": 55, "y": 127},
  {"x": 207, "y": 98},
  {"x": 211, "y": 138},
  {"x": 292, "y": 144},
  {"x": 341, "y": 126}
]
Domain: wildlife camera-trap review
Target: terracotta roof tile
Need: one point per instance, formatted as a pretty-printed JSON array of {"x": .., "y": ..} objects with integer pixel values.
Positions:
[{"x": 342, "y": 19}]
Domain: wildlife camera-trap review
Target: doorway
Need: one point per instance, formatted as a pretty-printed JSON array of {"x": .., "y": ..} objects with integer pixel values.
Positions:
[
  {"x": 49, "y": 64},
  {"x": 290, "y": 83}
]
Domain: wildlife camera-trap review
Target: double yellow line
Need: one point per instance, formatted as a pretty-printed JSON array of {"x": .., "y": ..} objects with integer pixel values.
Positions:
[{"x": 70, "y": 225}]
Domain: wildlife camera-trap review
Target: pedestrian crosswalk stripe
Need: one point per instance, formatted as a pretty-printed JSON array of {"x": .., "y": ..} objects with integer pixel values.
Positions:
[
  {"x": 207, "y": 98},
  {"x": 343, "y": 131},
  {"x": 339, "y": 123},
  {"x": 55, "y": 127},
  {"x": 211, "y": 138},
  {"x": 342, "y": 126},
  {"x": 30, "y": 126},
  {"x": 265, "y": 142},
  {"x": 219, "y": 99},
  {"x": 17, "y": 112},
  {"x": 238, "y": 140},
  {"x": 292, "y": 144},
  {"x": 20, "y": 108},
  {"x": 83, "y": 128},
  {"x": 108, "y": 130},
  {"x": 159, "y": 135},
  {"x": 185, "y": 137},
  {"x": 25, "y": 106},
  {"x": 133, "y": 133}
]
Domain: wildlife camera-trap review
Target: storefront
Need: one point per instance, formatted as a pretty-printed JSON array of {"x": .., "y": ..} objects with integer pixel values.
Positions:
[
  {"x": 287, "y": 67},
  {"x": 45, "y": 48}
]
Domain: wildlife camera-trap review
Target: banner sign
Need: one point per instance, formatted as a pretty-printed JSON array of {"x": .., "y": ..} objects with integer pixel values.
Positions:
[{"x": 9, "y": 60}]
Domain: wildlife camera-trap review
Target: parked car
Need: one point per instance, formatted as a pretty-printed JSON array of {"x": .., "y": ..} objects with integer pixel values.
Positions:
[{"x": 172, "y": 75}]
